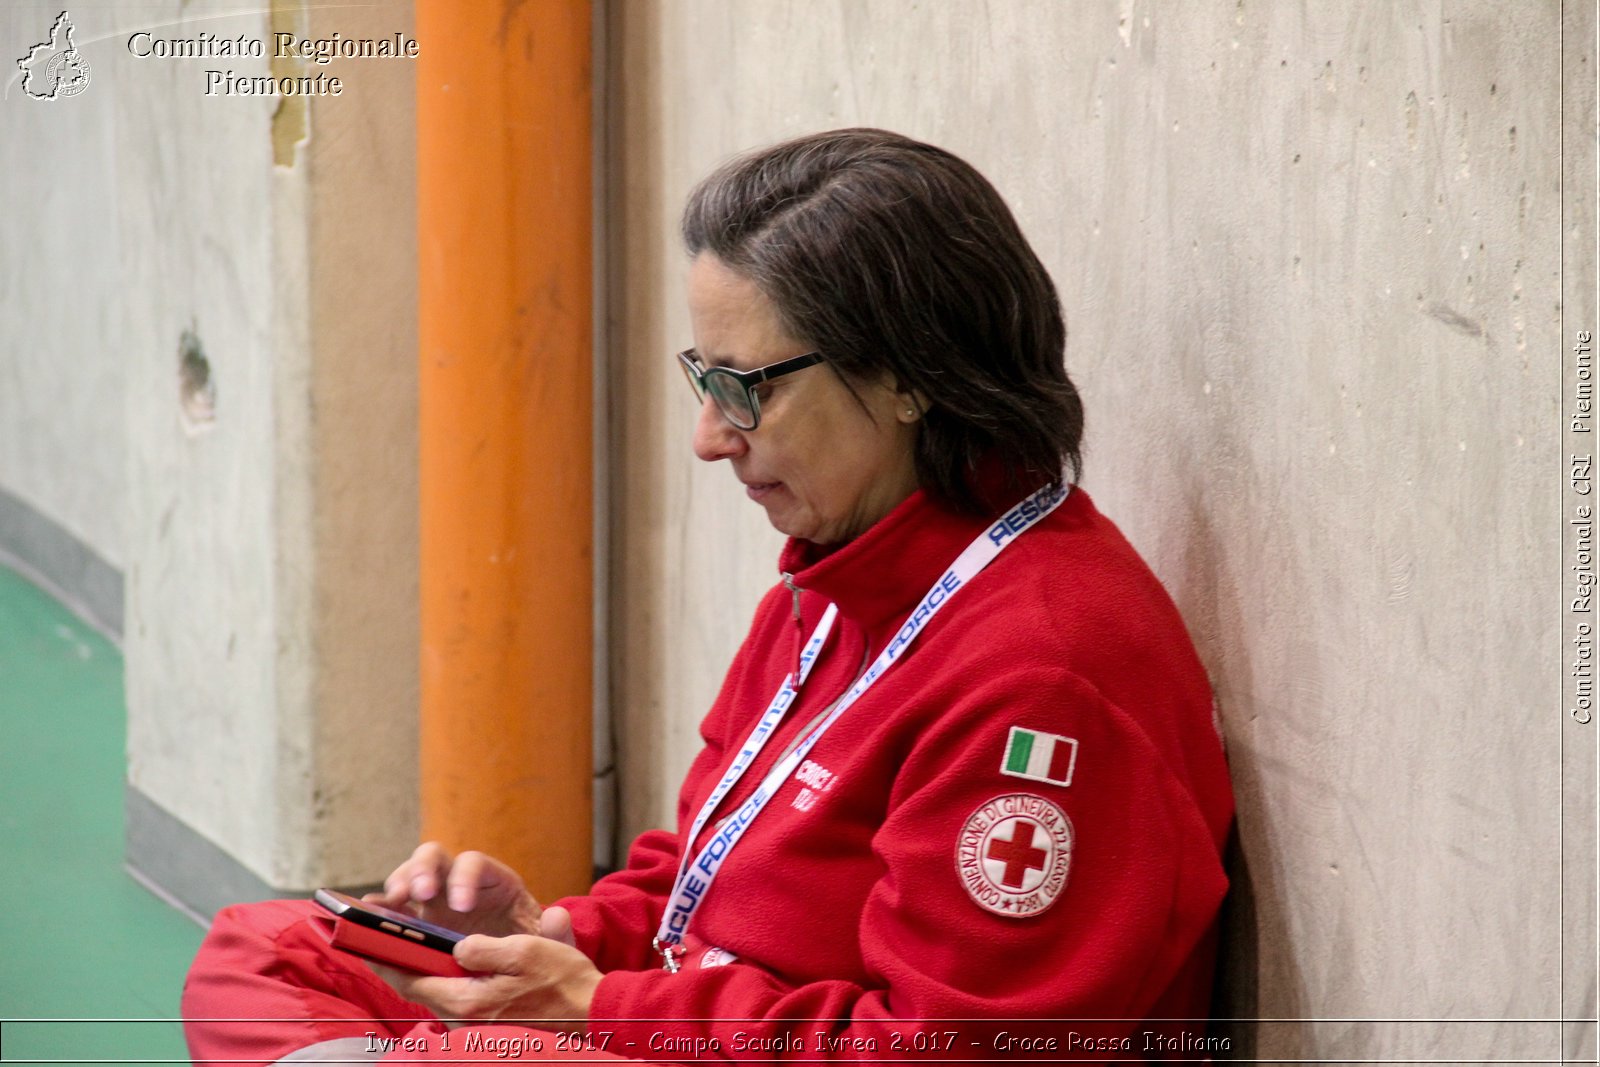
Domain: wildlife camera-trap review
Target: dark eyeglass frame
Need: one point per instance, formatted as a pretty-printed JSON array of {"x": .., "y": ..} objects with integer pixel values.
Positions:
[{"x": 703, "y": 380}]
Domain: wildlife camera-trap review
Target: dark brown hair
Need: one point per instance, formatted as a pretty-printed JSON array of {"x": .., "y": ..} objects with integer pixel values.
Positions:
[{"x": 890, "y": 255}]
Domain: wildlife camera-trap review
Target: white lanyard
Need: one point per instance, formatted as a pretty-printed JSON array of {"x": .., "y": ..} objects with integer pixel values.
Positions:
[{"x": 695, "y": 878}]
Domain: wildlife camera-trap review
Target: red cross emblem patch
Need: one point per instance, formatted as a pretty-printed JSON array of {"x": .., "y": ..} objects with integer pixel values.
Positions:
[{"x": 1013, "y": 854}]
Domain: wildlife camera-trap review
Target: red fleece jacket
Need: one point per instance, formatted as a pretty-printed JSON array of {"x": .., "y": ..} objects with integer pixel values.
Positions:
[{"x": 849, "y": 900}]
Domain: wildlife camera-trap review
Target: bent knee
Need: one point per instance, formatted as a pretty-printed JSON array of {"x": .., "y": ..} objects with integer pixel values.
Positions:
[{"x": 266, "y": 918}]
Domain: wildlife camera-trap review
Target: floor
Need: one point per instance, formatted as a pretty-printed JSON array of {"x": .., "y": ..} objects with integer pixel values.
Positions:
[{"x": 90, "y": 961}]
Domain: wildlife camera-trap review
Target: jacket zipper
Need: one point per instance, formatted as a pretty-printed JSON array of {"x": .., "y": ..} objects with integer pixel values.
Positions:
[{"x": 799, "y": 627}]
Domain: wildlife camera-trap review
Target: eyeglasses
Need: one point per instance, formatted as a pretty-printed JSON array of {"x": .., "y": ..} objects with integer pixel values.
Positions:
[{"x": 735, "y": 390}]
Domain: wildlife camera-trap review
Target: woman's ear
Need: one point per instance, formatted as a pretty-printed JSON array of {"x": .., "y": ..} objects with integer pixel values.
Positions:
[
  {"x": 910, "y": 405},
  {"x": 906, "y": 405}
]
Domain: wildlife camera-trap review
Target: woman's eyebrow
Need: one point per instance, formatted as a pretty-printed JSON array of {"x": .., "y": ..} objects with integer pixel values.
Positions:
[{"x": 709, "y": 361}]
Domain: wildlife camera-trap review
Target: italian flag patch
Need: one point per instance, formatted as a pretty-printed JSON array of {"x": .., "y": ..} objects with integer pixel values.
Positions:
[{"x": 1039, "y": 757}]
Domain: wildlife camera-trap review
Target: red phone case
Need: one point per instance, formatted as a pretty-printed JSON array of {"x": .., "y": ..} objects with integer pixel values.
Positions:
[{"x": 386, "y": 948}]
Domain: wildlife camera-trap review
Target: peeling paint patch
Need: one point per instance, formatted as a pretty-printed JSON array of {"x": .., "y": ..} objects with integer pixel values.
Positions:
[
  {"x": 197, "y": 393},
  {"x": 288, "y": 129},
  {"x": 291, "y": 118}
]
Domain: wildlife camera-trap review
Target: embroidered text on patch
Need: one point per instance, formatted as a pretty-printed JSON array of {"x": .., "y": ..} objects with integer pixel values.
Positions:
[
  {"x": 1040, "y": 757},
  {"x": 816, "y": 779},
  {"x": 1014, "y": 853}
]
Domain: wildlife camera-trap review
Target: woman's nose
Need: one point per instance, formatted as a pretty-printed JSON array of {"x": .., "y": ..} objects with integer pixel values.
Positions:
[{"x": 714, "y": 436}]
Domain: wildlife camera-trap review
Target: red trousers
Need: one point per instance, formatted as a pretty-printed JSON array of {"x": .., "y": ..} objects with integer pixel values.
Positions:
[{"x": 265, "y": 984}]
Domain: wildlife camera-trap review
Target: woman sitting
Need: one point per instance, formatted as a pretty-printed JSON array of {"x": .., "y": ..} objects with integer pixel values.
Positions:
[{"x": 964, "y": 766}]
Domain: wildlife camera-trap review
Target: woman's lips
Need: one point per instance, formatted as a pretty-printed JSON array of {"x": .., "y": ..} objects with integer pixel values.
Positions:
[{"x": 757, "y": 491}]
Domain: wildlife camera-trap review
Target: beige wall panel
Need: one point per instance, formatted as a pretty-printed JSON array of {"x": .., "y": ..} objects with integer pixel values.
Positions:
[
  {"x": 1580, "y": 301},
  {"x": 361, "y": 171},
  {"x": 1309, "y": 258}
]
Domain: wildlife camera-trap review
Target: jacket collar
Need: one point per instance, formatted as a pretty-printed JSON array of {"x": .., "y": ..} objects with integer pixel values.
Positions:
[{"x": 880, "y": 576}]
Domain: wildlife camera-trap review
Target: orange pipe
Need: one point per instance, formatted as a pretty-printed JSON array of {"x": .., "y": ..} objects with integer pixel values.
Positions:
[{"x": 504, "y": 245}]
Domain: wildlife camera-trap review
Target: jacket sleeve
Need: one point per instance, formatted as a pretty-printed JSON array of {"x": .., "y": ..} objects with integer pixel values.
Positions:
[
  {"x": 615, "y": 922},
  {"x": 609, "y": 923},
  {"x": 1143, "y": 881}
]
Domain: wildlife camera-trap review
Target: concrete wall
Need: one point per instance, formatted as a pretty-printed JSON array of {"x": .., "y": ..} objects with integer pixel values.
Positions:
[
  {"x": 1318, "y": 339},
  {"x": 63, "y": 370},
  {"x": 272, "y": 594},
  {"x": 62, "y": 374},
  {"x": 266, "y": 520}
]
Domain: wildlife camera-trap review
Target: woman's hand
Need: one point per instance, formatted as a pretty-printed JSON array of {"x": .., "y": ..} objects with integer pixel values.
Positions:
[
  {"x": 524, "y": 979},
  {"x": 472, "y": 893}
]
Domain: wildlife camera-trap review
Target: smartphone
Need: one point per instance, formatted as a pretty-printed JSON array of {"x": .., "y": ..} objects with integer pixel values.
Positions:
[{"x": 389, "y": 936}]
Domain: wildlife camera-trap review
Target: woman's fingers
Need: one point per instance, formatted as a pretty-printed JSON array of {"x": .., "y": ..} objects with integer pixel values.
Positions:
[
  {"x": 473, "y": 892},
  {"x": 479, "y": 880},
  {"x": 436, "y": 994},
  {"x": 496, "y": 955},
  {"x": 485, "y": 995},
  {"x": 419, "y": 878},
  {"x": 556, "y": 924},
  {"x": 520, "y": 977},
  {"x": 467, "y": 876}
]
